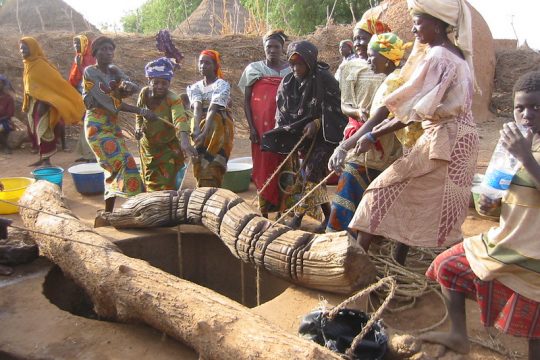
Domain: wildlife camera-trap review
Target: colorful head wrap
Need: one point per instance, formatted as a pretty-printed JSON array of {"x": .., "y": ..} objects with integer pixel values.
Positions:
[
  {"x": 390, "y": 46},
  {"x": 372, "y": 26},
  {"x": 99, "y": 42},
  {"x": 217, "y": 60},
  {"x": 83, "y": 39},
  {"x": 349, "y": 43},
  {"x": 277, "y": 34},
  {"x": 162, "y": 68}
]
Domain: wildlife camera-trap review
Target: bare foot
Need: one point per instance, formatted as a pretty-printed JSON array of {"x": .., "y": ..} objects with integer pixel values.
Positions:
[{"x": 454, "y": 342}]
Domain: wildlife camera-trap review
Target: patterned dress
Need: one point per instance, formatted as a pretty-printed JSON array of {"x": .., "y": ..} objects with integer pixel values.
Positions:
[
  {"x": 161, "y": 156},
  {"x": 422, "y": 198},
  {"x": 211, "y": 164},
  {"x": 104, "y": 135}
]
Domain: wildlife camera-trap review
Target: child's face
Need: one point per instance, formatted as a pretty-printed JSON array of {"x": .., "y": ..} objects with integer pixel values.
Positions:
[{"x": 527, "y": 110}]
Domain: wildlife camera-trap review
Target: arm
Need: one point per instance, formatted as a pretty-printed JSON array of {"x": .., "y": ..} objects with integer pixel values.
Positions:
[
  {"x": 387, "y": 127},
  {"x": 351, "y": 111},
  {"x": 253, "y": 135},
  {"x": 182, "y": 126}
]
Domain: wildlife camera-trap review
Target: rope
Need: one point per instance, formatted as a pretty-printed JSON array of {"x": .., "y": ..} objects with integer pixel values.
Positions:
[
  {"x": 323, "y": 181},
  {"x": 269, "y": 180},
  {"x": 59, "y": 237},
  {"x": 388, "y": 282}
]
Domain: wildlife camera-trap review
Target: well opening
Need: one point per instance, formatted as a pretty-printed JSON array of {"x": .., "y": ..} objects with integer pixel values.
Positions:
[{"x": 192, "y": 253}]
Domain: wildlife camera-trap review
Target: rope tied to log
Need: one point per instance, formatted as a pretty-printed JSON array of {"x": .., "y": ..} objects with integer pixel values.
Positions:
[
  {"x": 388, "y": 282},
  {"x": 269, "y": 180}
]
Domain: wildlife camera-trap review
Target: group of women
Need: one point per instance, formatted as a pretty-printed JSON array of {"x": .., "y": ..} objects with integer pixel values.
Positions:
[{"x": 401, "y": 136}]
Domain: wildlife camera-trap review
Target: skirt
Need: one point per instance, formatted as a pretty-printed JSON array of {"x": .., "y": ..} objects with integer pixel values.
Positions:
[{"x": 501, "y": 307}]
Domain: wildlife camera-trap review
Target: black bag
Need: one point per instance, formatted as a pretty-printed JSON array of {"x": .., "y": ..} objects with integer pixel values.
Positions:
[
  {"x": 338, "y": 333},
  {"x": 281, "y": 140}
]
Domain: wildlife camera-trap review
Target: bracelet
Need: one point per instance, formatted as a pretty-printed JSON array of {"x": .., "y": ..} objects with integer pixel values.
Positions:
[
  {"x": 143, "y": 112},
  {"x": 371, "y": 137}
]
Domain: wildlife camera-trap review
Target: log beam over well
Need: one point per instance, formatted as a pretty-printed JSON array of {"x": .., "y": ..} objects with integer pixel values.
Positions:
[{"x": 130, "y": 290}]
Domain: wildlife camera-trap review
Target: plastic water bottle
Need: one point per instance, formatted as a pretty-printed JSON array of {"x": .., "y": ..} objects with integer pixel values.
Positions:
[{"x": 500, "y": 171}]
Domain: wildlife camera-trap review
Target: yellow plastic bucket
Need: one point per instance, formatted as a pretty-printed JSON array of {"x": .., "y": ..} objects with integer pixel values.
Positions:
[{"x": 14, "y": 188}]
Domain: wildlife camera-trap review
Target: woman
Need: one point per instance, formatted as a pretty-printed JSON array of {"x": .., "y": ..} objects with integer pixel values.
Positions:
[
  {"x": 358, "y": 83},
  {"x": 308, "y": 102},
  {"x": 7, "y": 110},
  {"x": 83, "y": 58},
  {"x": 422, "y": 198},
  {"x": 259, "y": 83},
  {"x": 213, "y": 129},
  {"x": 385, "y": 53},
  {"x": 48, "y": 99},
  {"x": 161, "y": 155},
  {"x": 104, "y": 86},
  {"x": 346, "y": 50},
  {"x": 501, "y": 268}
]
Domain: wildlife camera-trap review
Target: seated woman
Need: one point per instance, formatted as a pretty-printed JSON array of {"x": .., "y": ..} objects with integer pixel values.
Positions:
[
  {"x": 422, "y": 198},
  {"x": 259, "y": 83},
  {"x": 104, "y": 86},
  {"x": 501, "y": 268},
  {"x": 160, "y": 141},
  {"x": 385, "y": 52},
  {"x": 213, "y": 128},
  {"x": 7, "y": 110},
  {"x": 48, "y": 100},
  {"x": 308, "y": 102}
]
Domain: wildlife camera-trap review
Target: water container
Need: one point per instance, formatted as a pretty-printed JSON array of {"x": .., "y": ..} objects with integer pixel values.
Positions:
[{"x": 53, "y": 174}]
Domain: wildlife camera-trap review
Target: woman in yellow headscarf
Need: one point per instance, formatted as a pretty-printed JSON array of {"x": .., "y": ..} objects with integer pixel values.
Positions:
[{"x": 48, "y": 98}]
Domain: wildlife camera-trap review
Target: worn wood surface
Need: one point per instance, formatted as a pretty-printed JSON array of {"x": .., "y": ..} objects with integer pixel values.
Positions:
[{"x": 130, "y": 290}]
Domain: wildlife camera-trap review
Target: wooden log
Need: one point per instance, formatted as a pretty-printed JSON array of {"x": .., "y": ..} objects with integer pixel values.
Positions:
[
  {"x": 326, "y": 262},
  {"x": 130, "y": 290}
]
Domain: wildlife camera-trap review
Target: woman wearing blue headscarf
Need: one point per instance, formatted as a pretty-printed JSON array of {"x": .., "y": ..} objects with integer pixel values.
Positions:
[{"x": 163, "y": 141}]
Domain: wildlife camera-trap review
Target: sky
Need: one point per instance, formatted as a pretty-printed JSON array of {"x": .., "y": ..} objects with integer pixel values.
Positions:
[{"x": 499, "y": 14}]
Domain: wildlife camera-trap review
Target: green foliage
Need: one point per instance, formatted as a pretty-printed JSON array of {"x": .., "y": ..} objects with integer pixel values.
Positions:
[
  {"x": 158, "y": 14},
  {"x": 302, "y": 16}
]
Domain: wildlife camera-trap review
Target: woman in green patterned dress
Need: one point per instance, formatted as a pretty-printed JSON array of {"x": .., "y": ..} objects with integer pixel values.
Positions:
[{"x": 162, "y": 142}]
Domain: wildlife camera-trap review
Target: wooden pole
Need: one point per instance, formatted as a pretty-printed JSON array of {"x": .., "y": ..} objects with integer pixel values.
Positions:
[{"x": 130, "y": 290}]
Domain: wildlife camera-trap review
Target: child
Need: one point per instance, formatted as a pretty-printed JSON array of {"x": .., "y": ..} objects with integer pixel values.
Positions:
[{"x": 501, "y": 268}]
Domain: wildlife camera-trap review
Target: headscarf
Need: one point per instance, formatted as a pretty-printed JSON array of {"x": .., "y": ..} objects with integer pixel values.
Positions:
[
  {"x": 7, "y": 83},
  {"x": 164, "y": 43},
  {"x": 277, "y": 34},
  {"x": 162, "y": 68},
  {"x": 43, "y": 82},
  {"x": 76, "y": 72},
  {"x": 455, "y": 13},
  {"x": 99, "y": 42},
  {"x": 317, "y": 96},
  {"x": 390, "y": 46},
  {"x": 217, "y": 60},
  {"x": 372, "y": 26},
  {"x": 349, "y": 43}
]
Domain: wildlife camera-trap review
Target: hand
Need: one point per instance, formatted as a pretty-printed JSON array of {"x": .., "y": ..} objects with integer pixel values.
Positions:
[
  {"x": 310, "y": 129},
  {"x": 337, "y": 160},
  {"x": 362, "y": 145},
  {"x": 149, "y": 115},
  {"x": 188, "y": 149},
  {"x": 361, "y": 115},
  {"x": 201, "y": 138},
  {"x": 515, "y": 143},
  {"x": 138, "y": 133},
  {"x": 488, "y": 206},
  {"x": 253, "y": 136}
]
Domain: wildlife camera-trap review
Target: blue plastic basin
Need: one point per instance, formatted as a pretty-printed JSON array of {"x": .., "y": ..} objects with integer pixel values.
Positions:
[
  {"x": 53, "y": 174},
  {"x": 88, "y": 178}
]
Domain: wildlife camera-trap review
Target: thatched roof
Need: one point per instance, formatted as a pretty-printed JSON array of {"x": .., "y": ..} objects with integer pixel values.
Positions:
[
  {"x": 33, "y": 16},
  {"x": 216, "y": 17}
]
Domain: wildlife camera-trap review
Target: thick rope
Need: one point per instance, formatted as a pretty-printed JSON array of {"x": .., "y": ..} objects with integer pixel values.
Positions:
[
  {"x": 388, "y": 282},
  {"x": 269, "y": 180}
]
